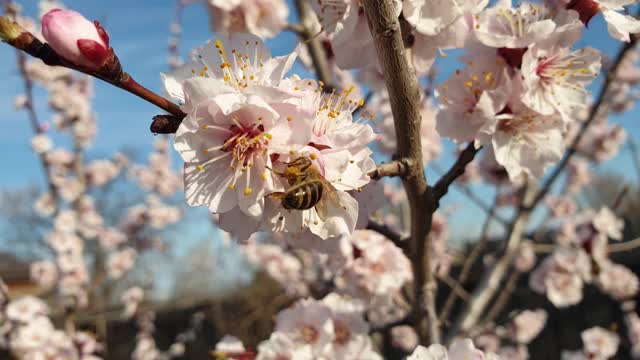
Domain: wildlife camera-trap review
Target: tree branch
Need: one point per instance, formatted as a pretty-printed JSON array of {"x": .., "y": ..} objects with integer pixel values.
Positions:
[
  {"x": 391, "y": 169},
  {"x": 464, "y": 189},
  {"x": 442, "y": 186},
  {"x": 404, "y": 95},
  {"x": 35, "y": 126},
  {"x": 111, "y": 72},
  {"x": 316, "y": 51},
  {"x": 470, "y": 261},
  {"x": 400, "y": 240}
]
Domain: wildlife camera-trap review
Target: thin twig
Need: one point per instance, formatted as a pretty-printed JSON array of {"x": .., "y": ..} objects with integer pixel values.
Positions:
[
  {"x": 111, "y": 72},
  {"x": 465, "y": 190},
  {"x": 316, "y": 51},
  {"x": 404, "y": 95},
  {"x": 457, "y": 169},
  {"x": 470, "y": 261},
  {"x": 455, "y": 286},
  {"x": 35, "y": 126},
  {"x": 503, "y": 298},
  {"x": 400, "y": 240},
  {"x": 635, "y": 155}
]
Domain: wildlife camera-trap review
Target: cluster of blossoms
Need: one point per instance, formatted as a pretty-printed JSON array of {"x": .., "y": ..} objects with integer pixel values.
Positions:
[
  {"x": 145, "y": 347},
  {"x": 84, "y": 247},
  {"x": 331, "y": 328},
  {"x": 598, "y": 343},
  {"x": 285, "y": 163},
  {"x": 264, "y": 18},
  {"x": 27, "y": 332},
  {"x": 510, "y": 341},
  {"x": 246, "y": 122},
  {"x": 581, "y": 257}
]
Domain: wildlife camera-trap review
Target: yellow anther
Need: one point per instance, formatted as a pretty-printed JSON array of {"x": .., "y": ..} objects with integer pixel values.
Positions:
[
  {"x": 205, "y": 127},
  {"x": 488, "y": 77},
  {"x": 268, "y": 136},
  {"x": 200, "y": 167},
  {"x": 247, "y": 191},
  {"x": 313, "y": 156},
  {"x": 232, "y": 186},
  {"x": 289, "y": 118},
  {"x": 361, "y": 102},
  {"x": 264, "y": 176},
  {"x": 292, "y": 152}
]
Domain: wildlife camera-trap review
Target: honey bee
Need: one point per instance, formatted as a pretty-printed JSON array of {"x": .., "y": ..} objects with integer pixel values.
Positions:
[{"x": 308, "y": 188}]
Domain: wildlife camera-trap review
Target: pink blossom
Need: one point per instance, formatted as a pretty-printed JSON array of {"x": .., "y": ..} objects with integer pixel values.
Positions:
[
  {"x": 44, "y": 273},
  {"x": 496, "y": 26},
  {"x": 471, "y": 97},
  {"x": 460, "y": 349},
  {"x": 75, "y": 38},
  {"x": 561, "y": 276},
  {"x": 619, "y": 25},
  {"x": 281, "y": 346},
  {"x": 264, "y": 18},
  {"x": 556, "y": 77},
  {"x": 41, "y": 143},
  {"x": 308, "y": 322},
  {"x": 525, "y": 257},
  {"x": 617, "y": 281},
  {"x": 600, "y": 343},
  {"x": 280, "y": 265},
  {"x": 561, "y": 206},
  {"x": 131, "y": 298},
  {"x": 120, "y": 262},
  {"x": 26, "y": 309},
  {"x": 99, "y": 172},
  {"x": 20, "y": 102},
  {"x": 45, "y": 205},
  {"x": 378, "y": 268},
  {"x": 431, "y": 142},
  {"x": 404, "y": 338},
  {"x": 527, "y": 325},
  {"x": 109, "y": 239}
]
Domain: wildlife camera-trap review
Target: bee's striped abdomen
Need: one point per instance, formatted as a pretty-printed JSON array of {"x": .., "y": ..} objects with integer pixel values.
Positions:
[{"x": 304, "y": 196}]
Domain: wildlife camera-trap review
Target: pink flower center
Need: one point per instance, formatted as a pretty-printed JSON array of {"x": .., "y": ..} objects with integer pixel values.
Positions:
[
  {"x": 309, "y": 334},
  {"x": 342, "y": 333},
  {"x": 244, "y": 143}
]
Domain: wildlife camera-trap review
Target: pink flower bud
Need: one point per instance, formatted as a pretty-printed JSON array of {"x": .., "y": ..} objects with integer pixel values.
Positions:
[{"x": 75, "y": 38}]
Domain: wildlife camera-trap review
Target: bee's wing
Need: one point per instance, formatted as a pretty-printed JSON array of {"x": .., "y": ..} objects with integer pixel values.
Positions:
[{"x": 329, "y": 197}]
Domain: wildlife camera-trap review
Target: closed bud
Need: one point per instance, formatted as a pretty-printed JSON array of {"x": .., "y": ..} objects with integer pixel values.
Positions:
[{"x": 75, "y": 38}]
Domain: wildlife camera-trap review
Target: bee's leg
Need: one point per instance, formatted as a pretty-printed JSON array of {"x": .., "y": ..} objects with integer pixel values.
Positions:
[
  {"x": 275, "y": 171},
  {"x": 278, "y": 195}
]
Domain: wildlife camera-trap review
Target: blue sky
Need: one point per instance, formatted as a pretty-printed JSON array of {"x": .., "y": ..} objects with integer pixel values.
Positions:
[{"x": 139, "y": 34}]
